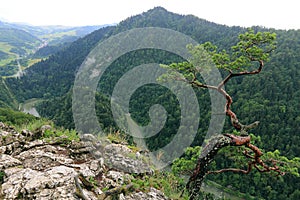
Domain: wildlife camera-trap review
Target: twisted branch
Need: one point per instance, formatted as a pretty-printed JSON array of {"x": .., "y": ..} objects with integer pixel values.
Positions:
[{"x": 217, "y": 143}]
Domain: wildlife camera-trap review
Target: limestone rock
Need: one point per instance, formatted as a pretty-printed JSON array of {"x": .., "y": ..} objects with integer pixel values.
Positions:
[
  {"x": 152, "y": 195},
  {"x": 7, "y": 161},
  {"x": 122, "y": 158},
  {"x": 37, "y": 168}
]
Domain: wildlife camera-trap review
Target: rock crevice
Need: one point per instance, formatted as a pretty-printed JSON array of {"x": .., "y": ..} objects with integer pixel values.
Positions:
[{"x": 36, "y": 168}]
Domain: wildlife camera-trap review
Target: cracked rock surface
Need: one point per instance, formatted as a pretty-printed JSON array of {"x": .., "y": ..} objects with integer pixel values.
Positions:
[{"x": 36, "y": 168}]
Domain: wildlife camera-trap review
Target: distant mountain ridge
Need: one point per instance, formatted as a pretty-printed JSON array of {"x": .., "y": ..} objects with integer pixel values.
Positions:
[
  {"x": 18, "y": 40},
  {"x": 39, "y": 31}
]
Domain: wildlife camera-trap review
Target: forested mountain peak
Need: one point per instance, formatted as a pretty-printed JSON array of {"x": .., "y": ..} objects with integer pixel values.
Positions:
[
  {"x": 70, "y": 58},
  {"x": 152, "y": 16},
  {"x": 163, "y": 15},
  {"x": 160, "y": 17}
]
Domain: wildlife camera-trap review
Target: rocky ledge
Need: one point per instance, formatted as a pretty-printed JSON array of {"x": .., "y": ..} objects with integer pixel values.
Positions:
[{"x": 34, "y": 167}]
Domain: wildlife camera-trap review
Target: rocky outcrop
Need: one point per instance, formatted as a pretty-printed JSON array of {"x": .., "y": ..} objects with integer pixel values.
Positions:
[{"x": 35, "y": 167}]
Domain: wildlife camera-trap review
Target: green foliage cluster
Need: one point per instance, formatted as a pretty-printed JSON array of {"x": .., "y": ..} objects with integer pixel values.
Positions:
[
  {"x": 120, "y": 138},
  {"x": 48, "y": 50},
  {"x": 15, "y": 118},
  {"x": 33, "y": 125},
  {"x": 21, "y": 121},
  {"x": 9, "y": 69},
  {"x": 59, "y": 109},
  {"x": 166, "y": 182},
  {"x": 251, "y": 47},
  {"x": 187, "y": 163},
  {"x": 64, "y": 135}
]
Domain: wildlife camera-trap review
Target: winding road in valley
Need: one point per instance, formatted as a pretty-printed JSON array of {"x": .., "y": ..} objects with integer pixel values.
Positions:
[{"x": 20, "y": 71}]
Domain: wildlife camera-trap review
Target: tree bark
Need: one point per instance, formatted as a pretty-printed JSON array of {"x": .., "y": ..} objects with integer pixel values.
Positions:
[
  {"x": 206, "y": 157},
  {"x": 211, "y": 149}
]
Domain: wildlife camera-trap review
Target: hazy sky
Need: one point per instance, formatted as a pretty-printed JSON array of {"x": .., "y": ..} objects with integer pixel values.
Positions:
[{"x": 269, "y": 13}]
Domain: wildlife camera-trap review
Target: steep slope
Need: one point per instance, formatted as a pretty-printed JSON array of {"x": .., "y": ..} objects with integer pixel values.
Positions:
[{"x": 7, "y": 100}]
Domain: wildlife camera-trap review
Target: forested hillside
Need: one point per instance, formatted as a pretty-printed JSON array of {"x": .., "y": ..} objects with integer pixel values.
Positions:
[
  {"x": 271, "y": 97},
  {"x": 7, "y": 100},
  {"x": 18, "y": 38}
]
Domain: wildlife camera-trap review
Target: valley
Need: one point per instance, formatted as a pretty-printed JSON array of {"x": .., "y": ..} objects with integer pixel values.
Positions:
[{"x": 20, "y": 42}]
